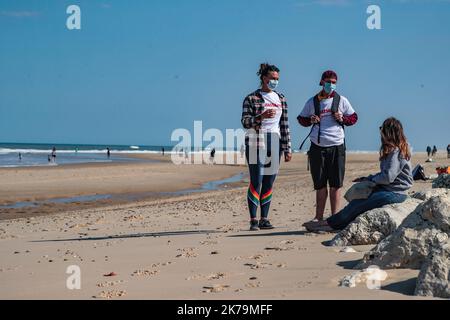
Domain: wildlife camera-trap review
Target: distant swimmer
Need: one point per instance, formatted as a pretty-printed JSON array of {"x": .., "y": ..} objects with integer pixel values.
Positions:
[
  {"x": 108, "y": 152},
  {"x": 20, "y": 156}
]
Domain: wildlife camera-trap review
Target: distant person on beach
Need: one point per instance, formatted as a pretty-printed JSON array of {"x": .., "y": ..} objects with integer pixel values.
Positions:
[
  {"x": 265, "y": 116},
  {"x": 54, "y": 155},
  {"x": 448, "y": 151},
  {"x": 108, "y": 152},
  {"x": 162, "y": 150},
  {"x": 433, "y": 153},
  {"x": 429, "y": 151},
  {"x": 49, "y": 158},
  {"x": 391, "y": 183},
  {"x": 328, "y": 113},
  {"x": 20, "y": 156},
  {"x": 212, "y": 155}
]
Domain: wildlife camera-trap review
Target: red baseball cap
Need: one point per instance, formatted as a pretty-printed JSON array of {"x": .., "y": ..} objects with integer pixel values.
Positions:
[{"x": 329, "y": 74}]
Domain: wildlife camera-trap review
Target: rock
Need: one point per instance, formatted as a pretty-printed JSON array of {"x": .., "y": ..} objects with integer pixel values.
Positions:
[
  {"x": 371, "y": 276},
  {"x": 434, "y": 277},
  {"x": 426, "y": 195},
  {"x": 443, "y": 181},
  {"x": 410, "y": 245},
  {"x": 374, "y": 225}
]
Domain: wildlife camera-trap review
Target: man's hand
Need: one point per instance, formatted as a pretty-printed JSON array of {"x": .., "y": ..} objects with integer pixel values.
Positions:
[
  {"x": 269, "y": 113},
  {"x": 315, "y": 119},
  {"x": 339, "y": 117},
  {"x": 287, "y": 157}
]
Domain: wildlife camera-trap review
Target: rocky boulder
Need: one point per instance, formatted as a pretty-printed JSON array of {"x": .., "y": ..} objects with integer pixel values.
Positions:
[
  {"x": 410, "y": 245},
  {"x": 434, "y": 277},
  {"x": 373, "y": 226},
  {"x": 426, "y": 195},
  {"x": 443, "y": 181}
]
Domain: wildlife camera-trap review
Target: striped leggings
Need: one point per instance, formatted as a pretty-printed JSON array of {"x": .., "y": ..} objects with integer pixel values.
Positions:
[{"x": 262, "y": 176}]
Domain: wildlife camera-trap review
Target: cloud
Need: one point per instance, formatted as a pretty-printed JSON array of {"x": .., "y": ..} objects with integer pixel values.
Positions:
[{"x": 19, "y": 14}]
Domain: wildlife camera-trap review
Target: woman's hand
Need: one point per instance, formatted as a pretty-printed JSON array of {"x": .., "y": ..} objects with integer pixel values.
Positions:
[
  {"x": 269, "y": 113},
  {"x": 287, "y": 157}
]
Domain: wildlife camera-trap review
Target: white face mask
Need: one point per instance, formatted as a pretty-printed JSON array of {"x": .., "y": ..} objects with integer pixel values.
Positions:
[{"x": 273, "y": 84}]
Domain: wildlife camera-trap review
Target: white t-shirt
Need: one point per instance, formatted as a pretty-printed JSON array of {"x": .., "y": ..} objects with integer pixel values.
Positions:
[
  {"x": 271, "y": 101},
  {"x": 331, "y": 132}
]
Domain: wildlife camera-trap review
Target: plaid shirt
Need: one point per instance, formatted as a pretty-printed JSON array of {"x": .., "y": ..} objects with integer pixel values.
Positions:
[{"x": 251, "y": 118}]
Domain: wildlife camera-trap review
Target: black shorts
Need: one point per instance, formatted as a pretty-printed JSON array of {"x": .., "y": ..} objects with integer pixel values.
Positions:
[{"x": 327, "y": 166}]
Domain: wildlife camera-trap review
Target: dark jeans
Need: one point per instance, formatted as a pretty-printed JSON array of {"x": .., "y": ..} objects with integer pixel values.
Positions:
[{"x": 376, "y": 200}]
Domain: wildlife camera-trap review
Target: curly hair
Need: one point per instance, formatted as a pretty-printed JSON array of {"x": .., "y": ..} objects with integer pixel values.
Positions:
[{"x": 264, "y": 70}]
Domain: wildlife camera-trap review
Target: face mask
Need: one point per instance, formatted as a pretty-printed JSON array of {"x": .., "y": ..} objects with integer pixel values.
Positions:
[
  {"x": 329, "y": 87},
  {"x": 272, "y": 84}
]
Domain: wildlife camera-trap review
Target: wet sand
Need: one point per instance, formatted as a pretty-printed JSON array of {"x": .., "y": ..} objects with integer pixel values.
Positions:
[{"x": 193, "y": 246}]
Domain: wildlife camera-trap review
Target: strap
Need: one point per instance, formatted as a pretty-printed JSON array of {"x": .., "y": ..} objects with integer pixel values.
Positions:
[
  {"x": 301, "y": 146},
  {"x": 317, "y": 113},
  {"x": 336, "y": 101}
]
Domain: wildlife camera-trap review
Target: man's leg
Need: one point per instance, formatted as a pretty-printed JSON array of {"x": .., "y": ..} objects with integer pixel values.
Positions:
[
  {"x": 335, "y": 200},
  {"x": 321, "y": 201}
]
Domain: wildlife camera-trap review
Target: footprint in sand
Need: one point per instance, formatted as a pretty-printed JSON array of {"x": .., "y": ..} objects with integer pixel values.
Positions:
[
  {"x": 109, "y": 283},
  {"x": 145, "y": 272},
  {"x": 187, "y": 253},
  {"x": 212, "y": 276},
  {"x": 110, "y": 294},
  {"x": 215, "y": 288},
  {"x": 257, "y": 265}
]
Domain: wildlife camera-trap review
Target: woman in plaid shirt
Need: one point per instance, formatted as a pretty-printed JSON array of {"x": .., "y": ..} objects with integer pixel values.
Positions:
[{"x": 264, "y": 115}]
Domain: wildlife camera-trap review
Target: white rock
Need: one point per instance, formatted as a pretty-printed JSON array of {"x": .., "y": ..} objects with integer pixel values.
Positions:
[
  {"x": 434, "y": 277},
  {"x": 411, "y": 243},
  {"x": 374, "y": 225}
]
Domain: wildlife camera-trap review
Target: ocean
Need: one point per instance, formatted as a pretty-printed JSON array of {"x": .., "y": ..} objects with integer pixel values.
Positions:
[{"x": 37, "y": 154}]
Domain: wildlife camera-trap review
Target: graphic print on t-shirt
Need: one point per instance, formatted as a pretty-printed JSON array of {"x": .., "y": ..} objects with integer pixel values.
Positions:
[
  {"x": 331, "y": 132},
  {"x": 271, "y": 101}
]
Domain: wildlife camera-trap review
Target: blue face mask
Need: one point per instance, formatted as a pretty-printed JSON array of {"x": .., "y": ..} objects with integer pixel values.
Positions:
[
  {"x": 273, "y": 84},
  {"x": 329, "y": 87}
]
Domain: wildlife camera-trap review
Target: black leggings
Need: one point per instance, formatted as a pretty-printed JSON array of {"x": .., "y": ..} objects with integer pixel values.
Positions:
[{"x": 262, "y": 176}]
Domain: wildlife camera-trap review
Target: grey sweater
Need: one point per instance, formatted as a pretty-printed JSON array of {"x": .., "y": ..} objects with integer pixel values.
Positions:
[{"x": 395, "y": 174}]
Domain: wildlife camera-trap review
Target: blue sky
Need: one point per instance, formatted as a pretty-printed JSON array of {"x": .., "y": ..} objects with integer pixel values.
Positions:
[{"x": 139, "y": 69}]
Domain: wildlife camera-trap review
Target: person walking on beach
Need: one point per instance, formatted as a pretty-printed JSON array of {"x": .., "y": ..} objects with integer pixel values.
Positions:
[
  {"x": 429, "y": 151},
  {"x": 108, "y": 152},
  {"x": 328, "y": 113},
  {"x": 448, "y": 151},
  {"x": 54, "y": 155},
  {"x": 265, "y": 116},
  {"x": 433, "y": 153},
  {"x": 212, "y": 155},
  {"x": 162, "y": 149},
  {"x": 391, "y": 183}
]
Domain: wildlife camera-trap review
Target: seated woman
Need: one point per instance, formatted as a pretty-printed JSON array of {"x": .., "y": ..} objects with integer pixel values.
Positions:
[{"x": 392, "y": 182}]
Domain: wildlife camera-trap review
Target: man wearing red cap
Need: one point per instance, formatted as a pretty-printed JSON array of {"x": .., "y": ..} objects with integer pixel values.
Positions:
[{"x": 328, "y": 113}]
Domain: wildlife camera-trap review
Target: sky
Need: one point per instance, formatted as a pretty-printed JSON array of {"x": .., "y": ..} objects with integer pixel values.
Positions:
[{"x": 137, "y": 70}]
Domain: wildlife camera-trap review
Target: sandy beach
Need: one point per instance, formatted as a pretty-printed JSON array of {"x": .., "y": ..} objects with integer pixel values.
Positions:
[{"x": 163, "y": 245}]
